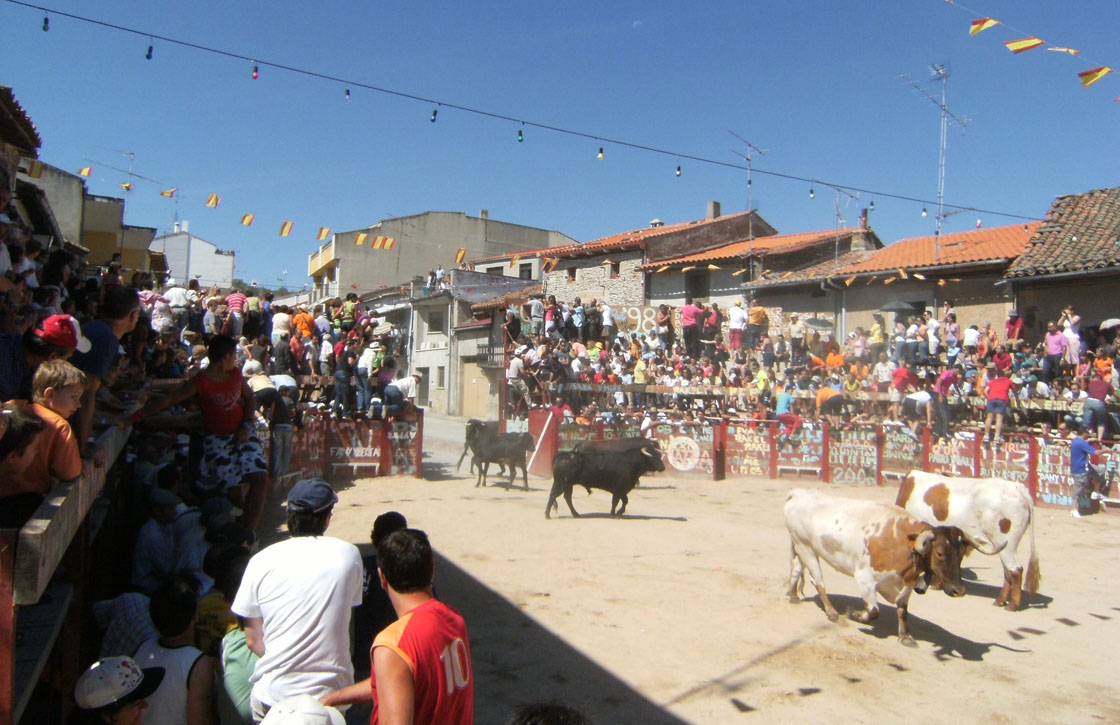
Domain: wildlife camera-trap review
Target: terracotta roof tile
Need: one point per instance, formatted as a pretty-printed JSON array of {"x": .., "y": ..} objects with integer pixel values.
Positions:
[
  {"x": 518, "y": 296},
  {"x": 974, "y": 246},
  {"x": 825, "y": 269},
  {"x": 635, "y": 238},
  {"x": 761, "y": 246},
  {"x": 1080, "y": 232}
]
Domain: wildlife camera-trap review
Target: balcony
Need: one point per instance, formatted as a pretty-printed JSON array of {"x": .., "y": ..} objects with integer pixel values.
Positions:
[
  {"x": 491, "y": 356},
  {"x": 320, "y": 259}
]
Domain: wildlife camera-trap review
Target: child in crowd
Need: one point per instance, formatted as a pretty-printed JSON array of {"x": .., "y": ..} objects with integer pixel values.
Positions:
[
  {"x": 57, "y": 389},
  {"x": 19, "y": 497}
]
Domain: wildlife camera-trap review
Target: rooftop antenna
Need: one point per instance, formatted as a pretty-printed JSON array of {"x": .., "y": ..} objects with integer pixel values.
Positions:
[
  {"x": 749, "y": 156},
  {"x": 940, "y": 72}
]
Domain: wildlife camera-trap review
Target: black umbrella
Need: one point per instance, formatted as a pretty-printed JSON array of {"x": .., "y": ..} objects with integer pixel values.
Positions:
[{"x": 897, "y": 306}]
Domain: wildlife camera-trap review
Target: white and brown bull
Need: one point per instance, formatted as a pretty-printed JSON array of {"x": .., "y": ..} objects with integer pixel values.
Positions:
[
  {"x": 886, "y": 550},
  {"x": 993, "y": 514}
]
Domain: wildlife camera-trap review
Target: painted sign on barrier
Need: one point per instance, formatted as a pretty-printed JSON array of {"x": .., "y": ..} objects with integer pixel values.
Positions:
[
  {"x": 687, "y": 447},
  {"x": 901, "y": 452},
  {"x": 957, "y": 455},
  {"x": 853, "y": 456},
  {"x": 1055, "y": 484},
  {"x": 1011, "y": 462},
  {"x": 806, "y": 451},
  {"x": 748, "y": 450},
  {"x": 404, "y": 447}
]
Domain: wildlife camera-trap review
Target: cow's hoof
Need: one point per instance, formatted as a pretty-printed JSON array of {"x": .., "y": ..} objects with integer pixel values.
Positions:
[
  {"x": 833, "y": 617},
  {"x": 999, "y": 603},
  {"x": 907, "y": 641},
  {"x": 794, "y": 599}
]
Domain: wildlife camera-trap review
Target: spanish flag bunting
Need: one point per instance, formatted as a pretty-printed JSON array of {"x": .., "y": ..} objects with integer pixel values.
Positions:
[
  {"x": 247, "y": 220},
  {"x": 888, "y": 280},
  {"x": 872, "y": 279},
  {"x": 713, "y": 266},
  {"x": 460, "y": 255},
  {"x": 1071, "y": 51},
  {"x": 514, "y": 260},
  {"x": 1023, "y": 44},
  {"x": 849, "y": 280},
  {"x": 383, "y": 242},
  {"x": 919, "y": 276},
  {"x": 664, "y": 268},
  {"x": 940, "y": 283},
  {"x": 213, "y": 200},
  {"x": 764, "y": 273},
  {"x": 361, "y": 238},
  {"x": 687, "y": 269},
  {"x": 324, "y": 232},
  {"x": 738, "y": 272},
  {"x": 127, "y": 186},
  {"x": 902, "y": 274},
  {"x": 285, "y": 229},
  {"x": 35, "y": 169},
  {"x": 85, "y": 171},
  {"x": 169, "y": 193},
  {"x": 981, "y": 24},
  {"x": 1089, "y": 77},
  {"x": 786, "y": 274}
]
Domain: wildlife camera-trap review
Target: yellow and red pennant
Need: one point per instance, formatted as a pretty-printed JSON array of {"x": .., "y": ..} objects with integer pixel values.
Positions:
[
  {"x": 1023, "y": 44},
  {"x": 738, "y": 272},
  {"x": 1089, "y": 77},
  {"x": 713, "y": 266},
  {"x": 979, "y": 25},
  {"x": 169, "y": 193},
  {"x": 785, "y": 275},
  {"x": 514, "y": 260},
  {"x": 324, "y": 232},
  {"x": 902, "y": 274},
  {"x": 1057, "y": 49},
  {"x": 213, "y": 200},
  {"x": 662, "y": 269},
  {"x": 85, "y": 171},
  {"x": 460, "y": 255},
  {"x": 849, "y": 280},
  {"x": 383, "y": 242},
  {"x": 285, "y": 229},
  {"x": 247, "y": 220},
  {"x": 361, "y": 238},
  {"x": 888, "y": 280},
  {"x": 687, "y": 269},
  {"x": 126, "y": 186},
  {"x": 35, "y": 169}
]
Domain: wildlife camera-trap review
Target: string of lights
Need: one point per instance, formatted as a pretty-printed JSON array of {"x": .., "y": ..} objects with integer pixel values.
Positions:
[{"x": 601, "y": 140}]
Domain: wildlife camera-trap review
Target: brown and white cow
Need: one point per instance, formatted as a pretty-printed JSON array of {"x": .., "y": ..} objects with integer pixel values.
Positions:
[
  {"x": 884, "y": 548},
  {"x": 993, "y": 514}
]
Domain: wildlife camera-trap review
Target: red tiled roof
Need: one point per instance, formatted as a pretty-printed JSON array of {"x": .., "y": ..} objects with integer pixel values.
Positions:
[
  {"x": 526, "y": 253},
  {"x": 633, "y": 239},
  {"x": 505, "y": 300},
  {"x": 16, "y": 126},
  {"x": 781, "y": 243},
  {"x": 975, "y": 246},
  {"x": 1081, "y": 232},
  {"x": 820, "y": 271}
]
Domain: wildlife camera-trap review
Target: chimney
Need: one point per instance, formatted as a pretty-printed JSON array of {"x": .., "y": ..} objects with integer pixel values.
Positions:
[
  {"x": 186, "y": 227},
  {"x": 176, "y": 227},
  {"x": 483, "y": 214},
  {"x": 713, "y": 210},
  {"x": 655, "y": 223}
]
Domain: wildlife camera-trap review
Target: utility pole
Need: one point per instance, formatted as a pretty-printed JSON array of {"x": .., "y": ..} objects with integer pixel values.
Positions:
[{"x": 749, "y": 157}]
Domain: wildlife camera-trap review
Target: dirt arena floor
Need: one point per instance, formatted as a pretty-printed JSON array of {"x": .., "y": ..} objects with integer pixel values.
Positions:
[{"x": 677, "y": 611}]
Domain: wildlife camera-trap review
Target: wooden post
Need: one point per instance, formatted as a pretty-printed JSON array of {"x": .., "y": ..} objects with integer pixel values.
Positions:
[{"x": 7, "y": 622}]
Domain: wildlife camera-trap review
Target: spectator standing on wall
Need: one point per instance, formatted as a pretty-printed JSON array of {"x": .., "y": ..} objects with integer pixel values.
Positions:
[{"x": 1014, "y": 326}]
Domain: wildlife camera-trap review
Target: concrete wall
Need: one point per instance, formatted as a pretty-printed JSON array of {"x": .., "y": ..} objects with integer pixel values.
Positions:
[
  {"x": 1092, "y": 299},
  {"x": 65, "y": 192},
  {"x": 189, "y": 256},
  {"x": 593, "y": 279}
]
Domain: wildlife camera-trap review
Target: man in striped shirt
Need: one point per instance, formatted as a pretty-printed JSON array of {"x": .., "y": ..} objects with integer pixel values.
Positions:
[{"x": 236, "y": 302}]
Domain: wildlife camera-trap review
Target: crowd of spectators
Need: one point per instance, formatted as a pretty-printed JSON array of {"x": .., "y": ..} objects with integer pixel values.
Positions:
[{"x": 927, "y": 369}]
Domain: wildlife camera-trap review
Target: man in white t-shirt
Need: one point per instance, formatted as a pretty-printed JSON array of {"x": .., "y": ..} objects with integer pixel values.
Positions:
[
  {"x": 296, "y": 598},
  {"x": 736, "y": 324}
]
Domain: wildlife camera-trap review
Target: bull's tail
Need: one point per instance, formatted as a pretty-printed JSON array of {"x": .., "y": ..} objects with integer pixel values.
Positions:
[{"x": 1034, "y": 574}]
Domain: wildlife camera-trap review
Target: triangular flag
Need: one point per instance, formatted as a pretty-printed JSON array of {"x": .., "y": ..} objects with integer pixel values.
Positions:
[
  {"x": 285, "y": 229},
  {"x": 919, "y": 276},
  {"x": 460, "y": 255},
  {"x": 888, "y": 280},
  {"x": 389, "y": 242},
  {"x": 213, "y": 200},
  {"x": 85, "y": 171},
  {"x": 981, "y": 24},
  {"x": 514, "y": 260},
  {"x": 849, "y": 280},
  {"x": 713, "y": 266},
  {"x": 738, "y": 272},
  {"x": 247, "y": 220},
  {"x": 1071, "y": 51},
  {"x": 35, "y": 169},
  {"x": 687, "y": 269},
  {"x": 764, "y": 273},
  {"x": 1023, "y": 44},
  {"x": 662, "y": 269},
  {"x": 127, "y": 186},
  {"x": 785, "y": 274},
  {"x": 940, "y": 283},
  {"x": 902, "y": 274},
  {"x": 324, "y": 232},
  {"x": 383, "y": 243},
  {"x": 361, "y": 238},
  {"x": 873, "y": 278},
  {"x": 1089, "y": 77},
  {"x": 169, "y": 193}
]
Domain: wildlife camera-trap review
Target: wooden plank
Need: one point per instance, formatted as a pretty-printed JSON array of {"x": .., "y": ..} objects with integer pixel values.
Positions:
[{"x": 36, "y": 632}]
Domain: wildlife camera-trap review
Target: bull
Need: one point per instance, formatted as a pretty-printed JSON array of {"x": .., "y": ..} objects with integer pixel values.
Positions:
[
  {"x": 613, "y": 466},
  {"x": 507, "y": 448},
  {"x": 884, "y": 548},
  {"x": 476, "y": 432},
  {"x": 993, "y": 514}
]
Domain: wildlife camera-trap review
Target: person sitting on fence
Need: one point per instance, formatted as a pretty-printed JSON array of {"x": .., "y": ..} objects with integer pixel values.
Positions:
[
  {"x": 783, "y": 409},
  {"x": 998, "y": 393},
  {"x": 18, "y": 447}
]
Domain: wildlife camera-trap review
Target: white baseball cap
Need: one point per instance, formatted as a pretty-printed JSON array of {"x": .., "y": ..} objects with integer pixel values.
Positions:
[
  {"x": 302, "y": 710},
  {"x": 115, "y": 681}
]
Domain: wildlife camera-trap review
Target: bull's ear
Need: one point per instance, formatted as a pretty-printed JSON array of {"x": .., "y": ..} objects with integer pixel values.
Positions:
[{"x": 923, "y": 542}]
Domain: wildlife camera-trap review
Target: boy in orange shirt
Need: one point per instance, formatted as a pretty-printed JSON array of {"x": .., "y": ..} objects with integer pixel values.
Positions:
[{"x": 56, "y": 394}]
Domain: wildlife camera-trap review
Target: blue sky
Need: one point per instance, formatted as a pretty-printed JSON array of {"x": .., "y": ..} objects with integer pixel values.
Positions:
[{"x": 818, "y": 85}]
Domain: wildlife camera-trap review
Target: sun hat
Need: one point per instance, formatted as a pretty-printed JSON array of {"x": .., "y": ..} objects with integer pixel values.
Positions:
[
  {"x": 115, "y": 681},
  {"x": 64, "y": 331},
  {"x": 311, "y": 495}
]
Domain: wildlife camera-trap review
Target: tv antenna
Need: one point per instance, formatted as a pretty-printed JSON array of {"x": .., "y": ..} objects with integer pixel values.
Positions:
[
  {"x": 749, "y": 157},
  {"x": 940, "y": 72}
]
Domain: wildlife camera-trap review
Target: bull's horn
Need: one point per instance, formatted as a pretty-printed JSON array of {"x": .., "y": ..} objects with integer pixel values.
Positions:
[
  {"x": 924, "y": 542},
  {"x": 646, "y": 452}
]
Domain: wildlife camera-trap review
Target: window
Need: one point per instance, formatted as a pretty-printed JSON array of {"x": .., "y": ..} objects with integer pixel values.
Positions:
[
  {"x": 571, "y": 274},
  {"x": 496, "y": 270},
  {"x": 441, "y": 375},
  {"x": 435, "y": 321},
  {"x": 525, "y": 271},
  {"x": 696, "y": 285},
  {"x": 615, "y": 268}
]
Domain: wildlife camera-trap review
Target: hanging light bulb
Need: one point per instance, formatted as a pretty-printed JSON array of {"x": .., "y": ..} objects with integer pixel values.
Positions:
[
  {"x": 812, "y": 194},
  {"x": 600, "y": 153},
  {"x": 256, "y": 72},
  {"x": 924, "y": 212},
  {"x": 678, "y": 169},
  {"x": 435, "y": 112},
  {"x": 977, "y": 223},
  {"x": 520, "y": 136},
  {"x": 46, "y": 23},
  {"x": 348, "y": 94},
  {"x": 148, "y": 55},
  {"x": 872, "y": 205}
]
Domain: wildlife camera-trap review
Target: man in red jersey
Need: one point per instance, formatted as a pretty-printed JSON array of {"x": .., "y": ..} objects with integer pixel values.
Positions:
[
  {"x": 421, "y": 662},
  {"x": 998, "y": 395}
]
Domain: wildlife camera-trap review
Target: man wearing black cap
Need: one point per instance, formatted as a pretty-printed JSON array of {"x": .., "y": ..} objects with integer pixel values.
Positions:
[{"x": 296, "y": 599}]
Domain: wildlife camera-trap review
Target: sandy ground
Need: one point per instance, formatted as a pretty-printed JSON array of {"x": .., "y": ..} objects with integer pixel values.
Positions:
[{"x": 676, "y": 612}]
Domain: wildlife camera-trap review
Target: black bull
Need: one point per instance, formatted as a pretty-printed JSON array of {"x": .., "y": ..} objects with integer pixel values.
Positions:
[{"x": 613, "y": 466}]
